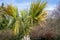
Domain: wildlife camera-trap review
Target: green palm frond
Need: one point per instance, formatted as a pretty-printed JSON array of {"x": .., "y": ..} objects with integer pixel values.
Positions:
[
  {"x": 36, "y": 9},
  {"x": 25, "y": 25},
  {"x": 43, "y": 16},
  {"x": 25, "y": 21},
  {"x": 8, "y": 20},
  {"x": 11, "y": 10},
  {"x": 24, "y": 14}
]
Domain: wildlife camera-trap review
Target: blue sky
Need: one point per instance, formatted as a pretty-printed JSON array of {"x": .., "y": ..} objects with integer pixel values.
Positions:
[{"x": 25, "y": 4}]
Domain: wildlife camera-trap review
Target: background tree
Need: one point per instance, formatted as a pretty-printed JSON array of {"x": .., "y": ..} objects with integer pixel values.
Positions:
[{"x": 53, "y": 21}]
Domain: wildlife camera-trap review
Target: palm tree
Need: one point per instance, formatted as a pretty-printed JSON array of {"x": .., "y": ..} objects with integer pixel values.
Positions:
[
  {"x": 36, "y": 13},
  {"x": 25, "y": 25},
  {"x": 36, "y": 9},
  {"x": 4, "y": 24},
  {"x": 28, "y": 19},
  {"x": 21, "y": 26}
]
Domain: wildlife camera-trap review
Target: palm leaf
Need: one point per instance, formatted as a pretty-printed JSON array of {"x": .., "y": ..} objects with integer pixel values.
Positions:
[
  {"x": 43, "y": 16},
  {"x": 36, "y": 9},
  {"x": 11, "y": 10}
]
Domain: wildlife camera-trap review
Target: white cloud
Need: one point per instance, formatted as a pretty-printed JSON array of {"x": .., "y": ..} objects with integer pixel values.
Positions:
[
  {"x": 23, "y": 5},
  {"x": 50, "y": 7}
]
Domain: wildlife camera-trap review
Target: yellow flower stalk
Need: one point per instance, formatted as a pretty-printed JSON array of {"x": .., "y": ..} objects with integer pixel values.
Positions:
[{"x": 16, "y": 28}]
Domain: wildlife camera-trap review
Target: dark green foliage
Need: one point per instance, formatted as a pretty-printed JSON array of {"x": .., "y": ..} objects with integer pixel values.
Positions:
[
  {"x": 3, "y": 22},
  {"x": 57, "y": 37}
]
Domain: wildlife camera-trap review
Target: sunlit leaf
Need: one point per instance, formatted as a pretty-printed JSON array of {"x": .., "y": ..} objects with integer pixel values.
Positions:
[
  {"x": 11, "y": 10},
  {"x": 36, "y": 9}
]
